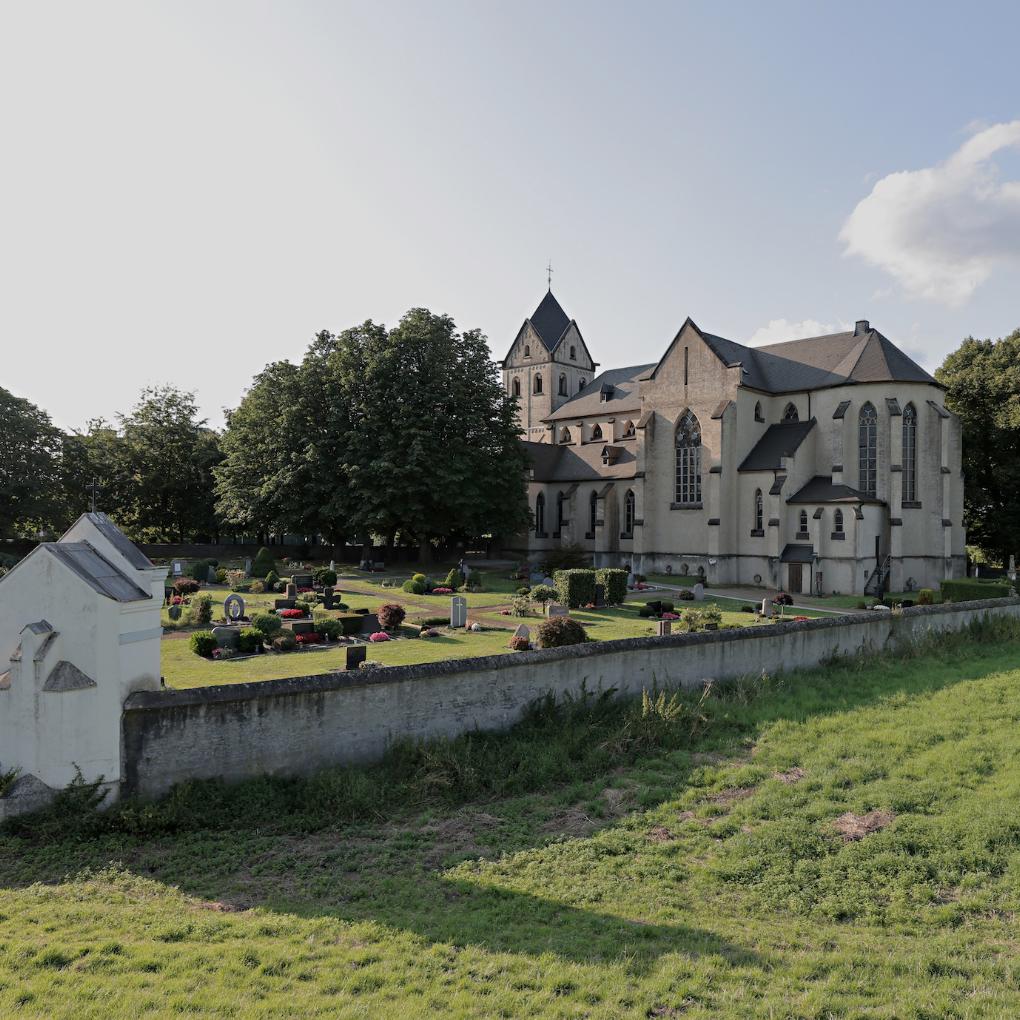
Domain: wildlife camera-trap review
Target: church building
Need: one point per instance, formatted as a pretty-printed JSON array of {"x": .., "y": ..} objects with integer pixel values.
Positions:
[{"x": 823, "y": 465}]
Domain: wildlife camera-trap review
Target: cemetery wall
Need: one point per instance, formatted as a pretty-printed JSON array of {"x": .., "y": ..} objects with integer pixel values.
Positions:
[{"x": 300, "y": 725}]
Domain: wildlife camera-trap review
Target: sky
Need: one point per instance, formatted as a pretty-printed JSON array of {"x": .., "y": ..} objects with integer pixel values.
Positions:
[{"x": 191, "y": 190}]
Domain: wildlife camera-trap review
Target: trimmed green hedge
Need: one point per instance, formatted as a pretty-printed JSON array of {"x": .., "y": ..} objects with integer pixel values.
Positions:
[
  {"x": 575, "y": 587},
  {"x": 614, "y": 580},
  {"x": 966, "y": 589}
]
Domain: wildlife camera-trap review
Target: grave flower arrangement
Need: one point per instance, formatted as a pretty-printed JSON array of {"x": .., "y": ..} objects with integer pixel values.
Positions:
[
  {"x": 442, "y": 591},
  {"x": 308, "y": 639},
  {"x": 519, "y": 643},
  {"x": 669, "y": 616},
  {"x": 378, "y": 636},
  {"x": 292, "y": 614}
]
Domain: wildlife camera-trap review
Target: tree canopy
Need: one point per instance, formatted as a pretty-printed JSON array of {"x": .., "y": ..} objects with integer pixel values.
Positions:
[
  {"x": 982, "y": 380},
  {"x": 378, "y": 432},
  {"x": 29, "y": 466}
]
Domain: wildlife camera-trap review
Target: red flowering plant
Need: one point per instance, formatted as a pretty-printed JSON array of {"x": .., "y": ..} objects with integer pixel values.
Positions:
[
  {"x": 442, "y": 591},
  {"x": 304, "y": 591},
  {"x": 292, "y": 614},
  {"x": 308, "y": 639},
  {"x": 379, "y": 636}
]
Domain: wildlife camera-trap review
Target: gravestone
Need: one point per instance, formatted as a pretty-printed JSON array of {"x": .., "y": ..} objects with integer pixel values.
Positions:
[
  {"x": 547, "y": 580},
  {"x": 226, "y": 637},
  {"x": 233, "y": 607},
  {"x": 356, "y": 655},
  {"x": 178, "y": 568},
  {"x": 327, "y": 598},
  {"x": 655, "y": 607},
  {"x": 699, "y": 592},
  {"x": 600, "y": 596},
  {"x": 555, "y": 609},
  {"x": 766, "y": 608},
  {"x": 210, "y": 575},
  {"x": 174, "y": 612},
  {"x": 247, "y": 568},
  {"x": 665, "y": 628},
  {"x": 523, "y": 632},
  {"x": 284, "y": 604},
  {"x": 458, "y": 611},
  {"x": 370, "y": 623},
  {"x": 291, "y": 590},
  {"x": 631, "y": 580},
  {"x": 302, "y": 628},
  {"x": 332, "y": 565},
  {"x": 302, "y": 580}
]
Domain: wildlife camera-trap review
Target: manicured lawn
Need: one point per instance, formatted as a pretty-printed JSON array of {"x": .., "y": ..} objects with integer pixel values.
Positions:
[{"x": 600, "y": 868}]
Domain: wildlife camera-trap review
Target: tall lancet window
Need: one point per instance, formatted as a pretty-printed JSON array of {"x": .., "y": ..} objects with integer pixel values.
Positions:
[
  {"x": 759, "y": 511},
  {"x": 593, "y": 512},
  {"x": 629, "y": 506},
  {"x": 688, "y": 460},
  {"x": 910, "y": 454},
  {"x": 540, "y": 515},
  {"x": 867, "y": 450}
]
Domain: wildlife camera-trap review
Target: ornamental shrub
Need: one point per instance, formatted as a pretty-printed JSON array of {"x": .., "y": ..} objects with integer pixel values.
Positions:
[
  {"x": 391, "y": 615},
  {"x": 665, "y": 606},
  {"x": 272, "y": 580},
  {"x": 185, "y": 586},
  {"x": 202, "y": 643},
  {"x": 614, "y": 581},
  {"x": 200, "y": 610},
  {"x": 305, "y": 607},
  {"x": 329, "y": 628},
  {"x": 520, "y": 606},
  {"x": 267, "y": 623},
  {"x": 560, "y": 631},
  {"x": 324, "y": 577},
  {"x": 519, "y": 644},
  {"x": 413, "y": 587},
  {"x": 543, "y": 593},
  {"x": 453, "y": 579},
  {"x": 419, "y": 577},
  {"x": 925, "y": 597},
  {"x": 249, "y": 640},
  {"x": 285, "y": 642},
  {"x": 199, "y": 571},
  {"x": 575, "y": 587},
  {"x": 525, "y": 589},
  {"x": 964, "y": 589},
  {"x": 263, "y": 563}
]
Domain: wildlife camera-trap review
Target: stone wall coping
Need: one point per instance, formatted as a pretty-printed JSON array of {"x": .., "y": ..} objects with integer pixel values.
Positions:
[{"x": 142, "y": 701}]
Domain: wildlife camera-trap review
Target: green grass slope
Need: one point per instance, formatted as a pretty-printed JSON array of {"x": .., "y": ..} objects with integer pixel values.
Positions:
[{"x": 603, "y": 860}]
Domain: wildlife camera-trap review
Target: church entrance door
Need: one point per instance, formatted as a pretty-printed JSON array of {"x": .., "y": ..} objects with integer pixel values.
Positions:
[{"x": 796, "y": 578}]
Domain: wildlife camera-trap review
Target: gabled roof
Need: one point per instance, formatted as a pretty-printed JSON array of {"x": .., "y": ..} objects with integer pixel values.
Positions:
[
  {"x": 796, "y": 552},
  {"x": 574, "y": 463},
  {"x": 625, "y": 396},
  {"x": 95, "y": 570},
  {"x": 837, "y": 359},
  {"x": 118, "y": 540},
  {"x": 66, "y": 676},
  {"x": 779, "y": 441},
  {"x": 821, "y": 489}
]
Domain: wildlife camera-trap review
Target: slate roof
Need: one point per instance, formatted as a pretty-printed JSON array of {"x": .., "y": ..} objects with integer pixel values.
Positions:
[
  {"x": 120, "y": 541},
  {"x": 624, "y": 382},
  {"x": 572, "y": 463},
  {"x": 779, "y": 441},
  {"x": 66, "y": 676},
  {"x": 822, "y": 490},
  {"x": 96, "y": 570},
  {"x": 798, "y": 553},
  {"x": 836, "y": 359},
  {"x": 550, "y": 321}
]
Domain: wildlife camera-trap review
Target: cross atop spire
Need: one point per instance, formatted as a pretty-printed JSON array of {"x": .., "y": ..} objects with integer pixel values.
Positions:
[{"x": 549, "y": 271}]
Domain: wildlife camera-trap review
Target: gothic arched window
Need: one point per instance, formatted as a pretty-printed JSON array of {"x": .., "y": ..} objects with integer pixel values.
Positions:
[
  {"x": 565, "y": 436},
  {"x": 628, "y": 430},
  {"x": 759, "y": 511},
  {"x": 580, "y": 385},
  {"x": 790, "y": 414},
  {"x": 515, "y": 387},
  {"x": 593, "y": 511},
  {"x": 758, "y": 414},
  {"x": 538, "y": 384},
  {"x": 527, "y": 351},
  {"x": 803, "y": 522},
  {"x": 910, "y": 454},
  {"x": 629, "y": 505},
  {"x": 563, "y": 385},
  {"x": 560, "y": 503},
  {"x": 540, "y": 514},
  {"x": 688, "y": 459},
  {"x": 573, "y": 354},
  {"x": 596, "y": 432},
  {"x": 867, "y": 450},
  {"x": 837, "y": 522}
]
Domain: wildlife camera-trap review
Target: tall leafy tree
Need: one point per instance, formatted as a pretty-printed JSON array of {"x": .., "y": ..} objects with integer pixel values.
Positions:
[
  {"x": 982, "y": 380},
  {"x": 29, "y": 466}
]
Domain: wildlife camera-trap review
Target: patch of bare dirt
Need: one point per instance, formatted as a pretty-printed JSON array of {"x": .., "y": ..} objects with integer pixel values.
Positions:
[
  {"x": 221, "y": 907},
  {"x": 794, "y": 775},
  {"x": 670, "y": 1011},
  {"x": 732, "y": 795},
  {"x": 854, "y": 827},
  {"x": 660, "y": 834},
  {"x": 575, "y": 823},
  {"x": 460, "y": 834}
]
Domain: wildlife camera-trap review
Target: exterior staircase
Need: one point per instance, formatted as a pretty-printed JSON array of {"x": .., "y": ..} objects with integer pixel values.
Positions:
[{"x": 876, "y": 583}]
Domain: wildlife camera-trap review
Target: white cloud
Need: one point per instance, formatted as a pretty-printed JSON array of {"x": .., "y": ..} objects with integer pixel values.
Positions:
[
  {"x": 942, "y": 231},
  {"x": 779, "y": 330}
]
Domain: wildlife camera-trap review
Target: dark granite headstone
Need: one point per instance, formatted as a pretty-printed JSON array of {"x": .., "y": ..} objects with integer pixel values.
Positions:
[
  {"x": 327, "y": 598},
  {"x": 307, "y": 627},
  {"x": 369, "y": 623},
  {"x": 291, "y": 590},
  {"x": 226, "y": 637},
  {"x": 356, "y": 655},
  {"x": 302, "y": 580},
  {"x": 284, "y": 604},
  {"x": 655, "y": 607},
  {"x": 600, "y": 596}
]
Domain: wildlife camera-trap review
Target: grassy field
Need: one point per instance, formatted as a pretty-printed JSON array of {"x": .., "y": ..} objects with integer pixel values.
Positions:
[{"x": 595, "y": 862}]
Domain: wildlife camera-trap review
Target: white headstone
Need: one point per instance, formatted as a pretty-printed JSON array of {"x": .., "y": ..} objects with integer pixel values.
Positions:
[
  {"x": 458, "y": 611},
  {"x": 766, "y": 607},
  {"x": 247, "y": 568},
  {"x": 555, "y": 609},
  {"x": 523, "y": 631},
  {"x": 332, "y": 565},
  {"x": 699, "y": 592},
  {"x": 177, "y": 568}
]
